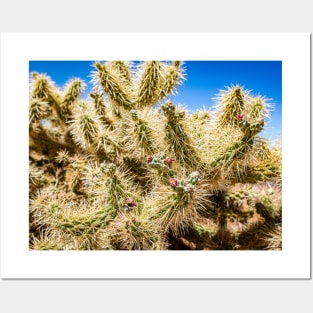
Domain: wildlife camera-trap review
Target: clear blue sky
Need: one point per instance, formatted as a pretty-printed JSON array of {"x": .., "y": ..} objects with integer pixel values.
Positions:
[{"x": 203, "y": 81}]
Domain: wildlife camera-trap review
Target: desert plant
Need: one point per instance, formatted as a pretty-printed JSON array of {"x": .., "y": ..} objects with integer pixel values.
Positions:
[{"x": 126, "y": 168}]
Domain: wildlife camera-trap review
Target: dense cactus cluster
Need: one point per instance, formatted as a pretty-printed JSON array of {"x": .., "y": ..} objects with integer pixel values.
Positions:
[{"x": 126, "y": 168}]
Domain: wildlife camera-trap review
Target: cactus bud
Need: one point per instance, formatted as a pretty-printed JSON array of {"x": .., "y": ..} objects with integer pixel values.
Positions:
[
  {"x": 134, "y": 114},
  {"x": 110, "y": 169},
  {"x": 193, "y": 178},
  {"x": 168, "y": 161},
  {"x": 149, "y": 158},
  {"x": 173, "y": 182},
  {"x": 130, "y": 204}
]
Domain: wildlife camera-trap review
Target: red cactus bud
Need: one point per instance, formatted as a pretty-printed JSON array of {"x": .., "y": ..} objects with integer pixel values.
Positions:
[
  {"x": 149, "y": 158},
  {"x": 173, "y": 182},
  {"x": 168, "y": 161},
  {"x": 240, "y": 116},
  {"x": 130, "y": 202}
]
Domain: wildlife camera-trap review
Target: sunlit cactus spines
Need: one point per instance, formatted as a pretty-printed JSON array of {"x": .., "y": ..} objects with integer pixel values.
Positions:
[
  {"x": 121, "y": 166},
  {"x": 134, "y": 231},
  {"x": 42, "y": 87},
  {"x": 38, "y": 110},
  {"x": 173, "y": 76},
  {"x": 85, "y": 125},
  {"x": 178, "y": 205},
  {"x": 177, "y": 135},
  {"x": 148, "y": 91},
  {"x": 113, "y": 86},
  {"x": 140, "y": 133},
  {"x": 230, "y": 103},
  {"x": 123, "y": 71},
  {"x": 72, "y": 91}
]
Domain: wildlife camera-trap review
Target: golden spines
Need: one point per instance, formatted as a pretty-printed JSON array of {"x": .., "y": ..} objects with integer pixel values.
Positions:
[
  {"x": 85, "y": 125},
  {"x": 72, "y": 91},
  {"x": 148, "y": 90},
  {"x": 113, "y": 87},
  {"x": 157, "y": 81},
  {"x": 123, "y": 71},
  {"x": 177, "y": 136},
  {"x": 38, "y": 110},
  {"x": 42, "y": 87},
  {"x": 230, "y": 106},
  {"x": 173, "y": 76}
]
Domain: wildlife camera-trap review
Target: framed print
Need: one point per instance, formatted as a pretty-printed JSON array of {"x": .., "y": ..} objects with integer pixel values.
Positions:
[{"x": 155, "y": 155}]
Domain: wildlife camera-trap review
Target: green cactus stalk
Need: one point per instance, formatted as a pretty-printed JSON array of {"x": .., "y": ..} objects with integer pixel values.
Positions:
[
  {"x": 42, "y": 87},
  {"x": 118, "y": 185},
  {"x": 134, "y": 231},
  {"x": 140, "y": 135},
  {"x": 230, "y": 103},
  {"x": 72, "y": 91},
  {"x": 38, "y": 110},
  {"x": 85, "y": 125},
  {"x": 176, "y": 206},
  {"x": 149, "y": 87},
  {"x": 101, "y": 108},
  {"x": 180, "y": 143},
  {"x": 87, "y": 223},
  {"x": 173, "y": 77},
  {"x": 122, "y": 69},
  {"x": 112, "y": 86}
]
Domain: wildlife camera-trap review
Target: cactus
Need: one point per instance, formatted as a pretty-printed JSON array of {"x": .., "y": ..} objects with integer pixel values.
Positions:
[{"x": 127, "y": 169}]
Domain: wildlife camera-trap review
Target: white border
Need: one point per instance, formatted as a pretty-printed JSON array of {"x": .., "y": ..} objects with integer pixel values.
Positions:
[{"x": 292, "y": 262}]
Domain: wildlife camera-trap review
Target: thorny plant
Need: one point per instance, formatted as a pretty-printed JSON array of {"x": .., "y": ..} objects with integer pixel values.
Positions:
[{"x": 126, "y": 168}]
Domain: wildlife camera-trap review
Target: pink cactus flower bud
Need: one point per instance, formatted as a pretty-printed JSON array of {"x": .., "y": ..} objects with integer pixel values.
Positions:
[
  {"x": 173, "y": 182},
  {"x": 149, "y": 158},
  {"x": 168, "y": 161},
  {"x": 130, "y": 202},
  {"x": 240, "y": 116}
]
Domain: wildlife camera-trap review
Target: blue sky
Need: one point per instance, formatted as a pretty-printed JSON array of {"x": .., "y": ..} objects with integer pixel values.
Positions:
[{"x": 204, "y": 80}]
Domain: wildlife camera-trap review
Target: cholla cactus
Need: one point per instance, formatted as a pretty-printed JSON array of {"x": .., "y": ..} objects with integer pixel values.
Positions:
[{"x": 126, "y": 168}]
